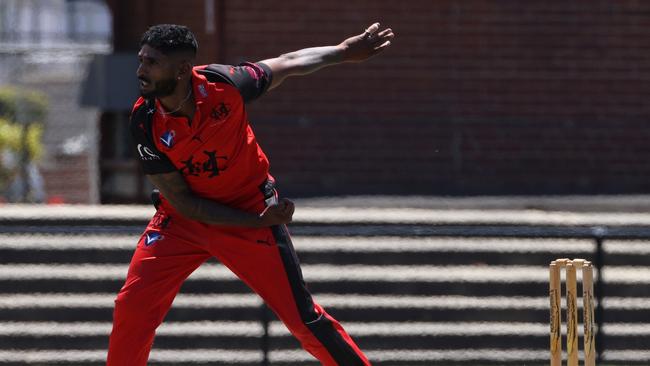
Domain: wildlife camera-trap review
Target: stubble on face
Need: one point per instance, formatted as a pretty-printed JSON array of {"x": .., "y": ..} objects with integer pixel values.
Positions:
[
  {"x": 156, "y": 73},
  {"x": 161, "y": 88}
]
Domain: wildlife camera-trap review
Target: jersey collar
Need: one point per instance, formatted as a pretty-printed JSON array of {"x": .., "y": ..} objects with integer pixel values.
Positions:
[{"x": 199, "y": 89}]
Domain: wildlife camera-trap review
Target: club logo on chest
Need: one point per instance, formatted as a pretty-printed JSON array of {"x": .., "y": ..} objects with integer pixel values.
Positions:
[
  {"x": 208, "y": 165},
  {"x": 220, "y": 112}
]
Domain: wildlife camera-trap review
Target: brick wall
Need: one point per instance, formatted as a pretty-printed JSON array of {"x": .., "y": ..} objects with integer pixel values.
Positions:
[
  {"x": 474, "y": 97},
  {"x": 132, "y": 18}
]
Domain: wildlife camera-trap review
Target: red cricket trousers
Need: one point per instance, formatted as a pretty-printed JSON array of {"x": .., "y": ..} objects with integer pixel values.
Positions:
[{"x": 172, "y": 247}]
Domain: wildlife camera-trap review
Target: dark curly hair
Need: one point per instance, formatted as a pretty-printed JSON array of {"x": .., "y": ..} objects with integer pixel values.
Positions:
[{"x": 170, "y": 38}]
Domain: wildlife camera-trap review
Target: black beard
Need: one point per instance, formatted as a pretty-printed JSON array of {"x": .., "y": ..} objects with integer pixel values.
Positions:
[{"x": 161, "y": 89}]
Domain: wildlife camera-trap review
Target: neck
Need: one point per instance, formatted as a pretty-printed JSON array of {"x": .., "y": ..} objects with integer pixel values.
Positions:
[{"x": 180, "y": 102}]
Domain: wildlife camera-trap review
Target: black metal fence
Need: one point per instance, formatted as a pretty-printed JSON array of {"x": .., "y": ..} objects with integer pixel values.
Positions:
[{"x": 599, "y": 234}]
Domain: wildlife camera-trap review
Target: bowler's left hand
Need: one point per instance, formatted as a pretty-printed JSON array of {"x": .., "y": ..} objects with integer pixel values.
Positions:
[{"x": 367, "y": 44}]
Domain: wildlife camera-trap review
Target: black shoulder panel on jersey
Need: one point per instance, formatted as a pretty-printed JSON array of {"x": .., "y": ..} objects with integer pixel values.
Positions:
[
  {"x": 251, "y": 79},
  {"x": 141, "y": 124},
  {"x": 216, "y": 73}
]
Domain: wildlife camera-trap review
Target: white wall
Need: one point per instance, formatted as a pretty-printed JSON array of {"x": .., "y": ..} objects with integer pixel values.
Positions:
[{"x": 52, "y": 22}]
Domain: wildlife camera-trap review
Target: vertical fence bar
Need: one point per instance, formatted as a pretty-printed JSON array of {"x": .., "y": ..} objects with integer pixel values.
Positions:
[
  {"x": 588, "y": 314},
  {"x": 599, "y": 262},
  {"x": 265, "y": 341}
]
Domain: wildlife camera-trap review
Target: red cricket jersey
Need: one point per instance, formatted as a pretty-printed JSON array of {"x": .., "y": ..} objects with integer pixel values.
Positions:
[{"x": 216, "y": 152}]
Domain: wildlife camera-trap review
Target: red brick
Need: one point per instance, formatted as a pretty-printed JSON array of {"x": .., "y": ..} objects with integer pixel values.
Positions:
[{"x": 473, "y": 97}]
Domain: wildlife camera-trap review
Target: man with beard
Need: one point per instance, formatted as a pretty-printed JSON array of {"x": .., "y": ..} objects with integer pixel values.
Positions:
[{"x": 215, "y": 195}]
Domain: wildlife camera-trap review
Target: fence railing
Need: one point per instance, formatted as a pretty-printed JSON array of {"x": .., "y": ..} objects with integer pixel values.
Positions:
[
  {"x": 596, "y": 233},
  {"x": 103, "y": 222}
]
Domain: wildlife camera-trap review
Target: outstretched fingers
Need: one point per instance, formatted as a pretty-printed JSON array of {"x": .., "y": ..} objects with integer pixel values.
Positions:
[
  {"x": 382, "y": 46},
  {"x": 381, "y": 39},
  {"x": 386, "y": 33},
  {"x": 372, "y": 41},
  {"x": 371, "y": 30}
]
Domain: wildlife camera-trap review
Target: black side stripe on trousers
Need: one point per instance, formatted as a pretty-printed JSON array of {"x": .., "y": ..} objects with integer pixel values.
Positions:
[{"x": 322, "y": 328}]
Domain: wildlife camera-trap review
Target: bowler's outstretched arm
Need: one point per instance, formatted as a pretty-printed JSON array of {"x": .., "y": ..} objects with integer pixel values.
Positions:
[{"x": 354, "y": 49}]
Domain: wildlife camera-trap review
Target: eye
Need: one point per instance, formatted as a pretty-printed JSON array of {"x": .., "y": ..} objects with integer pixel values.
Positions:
[{"x": 148, "y": 61}]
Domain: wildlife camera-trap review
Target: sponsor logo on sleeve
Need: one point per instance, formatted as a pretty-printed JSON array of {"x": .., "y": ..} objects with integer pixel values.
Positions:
[
  {"x": 252, "y": 72},
  {"x": 146, "y": 153},
  {"x": 203, "y": 91}
]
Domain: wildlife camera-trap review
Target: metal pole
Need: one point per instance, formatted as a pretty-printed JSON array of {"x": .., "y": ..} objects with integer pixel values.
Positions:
[
  {"x": 264, "y": 342},
  {"x": 599, "y": 262},
  {"x": 23, "y": 155},
  {"x": 24, "y": 163}
]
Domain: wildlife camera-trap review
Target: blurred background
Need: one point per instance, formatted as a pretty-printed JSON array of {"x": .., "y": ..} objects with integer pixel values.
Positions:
[
  {"x": 434, "y": 182},
  {"x": 473, "y": 98}
]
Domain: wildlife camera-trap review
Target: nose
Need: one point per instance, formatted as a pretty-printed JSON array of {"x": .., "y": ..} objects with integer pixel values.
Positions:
[{"x": 140, "y": 71}]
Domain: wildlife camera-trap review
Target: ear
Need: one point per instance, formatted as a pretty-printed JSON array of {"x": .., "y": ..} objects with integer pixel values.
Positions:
[{"x": 185, "y": 68}]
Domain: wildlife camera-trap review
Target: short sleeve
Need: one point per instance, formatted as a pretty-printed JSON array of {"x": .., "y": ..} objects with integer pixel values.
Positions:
[
  {"x": 153, "y": 161},
  {"x": 251, "y": 79}
]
